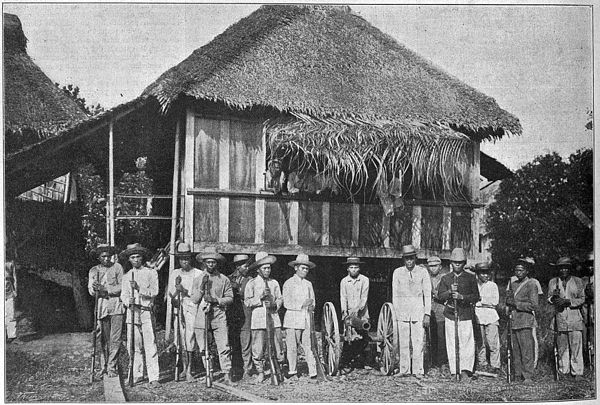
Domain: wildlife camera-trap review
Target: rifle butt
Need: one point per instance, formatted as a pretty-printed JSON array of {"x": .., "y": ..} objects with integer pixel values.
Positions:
[{"x": 456, "y": 342}]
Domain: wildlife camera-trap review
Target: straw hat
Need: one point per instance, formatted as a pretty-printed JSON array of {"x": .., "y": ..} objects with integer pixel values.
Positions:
[
  {"x": 353, "y": 260},
  {"x": 102, "y": 248},
  {"x": 302, "y": 259},
  {"x": 134, "y": 248},
  {"x": 482, "y": 267},
  {"x": 458, "y": 255},
  {"x": 262, "y": 258},
  {"x": 563, "y": 262},
  {"x": 183, "y": 250},
  {"x": 240, "y": 259},
  {"x": 408, "y": 250},
  {"x": 212, "y": 255},
  {"x": 433, "y": 260},
  {"x": 528, "y": 260}
]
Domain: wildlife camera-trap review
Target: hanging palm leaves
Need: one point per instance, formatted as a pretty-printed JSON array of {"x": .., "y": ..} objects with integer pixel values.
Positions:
[{"x": 344, "y": 150}]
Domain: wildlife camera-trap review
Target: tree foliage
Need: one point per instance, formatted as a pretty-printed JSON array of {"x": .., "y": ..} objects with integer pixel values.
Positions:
[
  {"x": 533, "y": 211},
  {"x": 73, "y": 92}
]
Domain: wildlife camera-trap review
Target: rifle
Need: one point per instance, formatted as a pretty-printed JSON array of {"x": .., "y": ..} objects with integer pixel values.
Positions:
[
  {"x": 132, "y": 333},
  {"x": 276, "y": 373},
  {"x": 95, "y": 330},
  {"x": 590, "y": 336},
  {"x": 178, "y": 337},
  {"x": 427, "y": 355},
  {"x": 556, "y": 371},
  {"x": 313, "y": 344},
  {"x": 207, "y": 352},
  {"x": 456, "y": 342},
  {"x": 509, "y": 338}
]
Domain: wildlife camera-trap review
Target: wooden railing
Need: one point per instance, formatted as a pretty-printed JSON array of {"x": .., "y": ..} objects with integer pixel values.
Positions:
[{"x": 237, "y": 221}]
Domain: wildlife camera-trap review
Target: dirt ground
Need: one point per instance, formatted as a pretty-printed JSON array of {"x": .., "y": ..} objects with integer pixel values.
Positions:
[{"x": 53, "y": 368}]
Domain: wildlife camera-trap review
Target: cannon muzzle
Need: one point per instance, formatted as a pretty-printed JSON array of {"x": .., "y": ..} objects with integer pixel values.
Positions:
[{"x": 357, "y": 323}]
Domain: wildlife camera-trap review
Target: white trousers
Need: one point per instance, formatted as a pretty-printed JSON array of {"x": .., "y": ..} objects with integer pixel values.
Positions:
[
  {"x": 466, "y": 345},
  {"x": 411, "y": 333},
  {"x": 144, "y": 337},
  {"x": 9, "y": 318}
]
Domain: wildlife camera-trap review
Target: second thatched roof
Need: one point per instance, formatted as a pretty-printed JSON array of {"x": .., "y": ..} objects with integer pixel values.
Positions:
[{"x": 34, "y": 107}]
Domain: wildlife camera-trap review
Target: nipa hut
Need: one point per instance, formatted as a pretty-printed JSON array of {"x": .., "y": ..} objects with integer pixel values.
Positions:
[{"x": 328, "y": 93}]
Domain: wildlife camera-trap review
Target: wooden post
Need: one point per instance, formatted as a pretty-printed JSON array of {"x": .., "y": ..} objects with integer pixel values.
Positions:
[
  {"x": 446, "y": 228},
  {"x": 188, "y": 179},
  {"x": 385, "y": 230},
  {"x": 111, "y": 183},
  {"x": 325, "y": 224},
  {"x": 475, "y": 199},
  {"x": 355, "y": 224},
  {"x": 173, "y": 224},
  {"x": 223, "y": 219},
  {"x": 224, "y": 156},
  {"x": 416, "y": 227},
  {"x": 261, "y": 163},
  {"x": 259, "y": 217},
  {"x": 294, "y": 218}
]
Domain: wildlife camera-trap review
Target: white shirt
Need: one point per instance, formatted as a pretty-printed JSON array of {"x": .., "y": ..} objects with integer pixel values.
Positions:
[
  {"x": 253, "y": 292},
  {"x": 187, "y": 281},
  {"x": 489, "y": 294},
  {"x": 295, "y": 291},
  {"x": 411, "y": 293},
  {"x": 353, "y": 295}
]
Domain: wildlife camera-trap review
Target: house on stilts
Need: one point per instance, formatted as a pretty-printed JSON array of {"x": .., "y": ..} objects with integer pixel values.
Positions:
[{"x": 392, "y": 139}]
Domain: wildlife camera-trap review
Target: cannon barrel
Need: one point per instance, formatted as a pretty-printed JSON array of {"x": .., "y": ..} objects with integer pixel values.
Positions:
[{"x": 357, "y": 323}]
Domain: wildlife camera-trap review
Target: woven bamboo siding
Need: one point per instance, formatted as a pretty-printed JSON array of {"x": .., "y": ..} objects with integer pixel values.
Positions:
[
  {"x": 340, "y": 224},
  {"x": 241, "y": 220},
  {"x": 206, "y": 219},
  {"x": 277, "y": 225},
  {"x": 432, "y": 220},
  {"x": 371, "y": 221},
  {"x": 310, "y": 223},
  {"x": 245, "y": 140},
  {"x": 400, "y": 227},
  {"x": 206, "y": 153},
  {"x": 461, "y": 228}
]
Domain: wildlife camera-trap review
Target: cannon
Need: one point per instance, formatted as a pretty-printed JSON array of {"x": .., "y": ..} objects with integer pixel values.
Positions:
[{"x": 332, "y": 340}]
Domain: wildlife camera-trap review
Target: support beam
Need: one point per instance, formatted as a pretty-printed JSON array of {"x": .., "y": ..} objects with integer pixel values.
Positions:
[
  {"x": 385, "y": 230},
  {"x": 325, "y": 224},
  {"x": 259, "y": 218},
  {"x": 446, "y": 228},
  {"x": 416, "y": 227},
  {"x": 261, "y": 164},
  {"x": 224, "y": 219},
  {"x": 188, "y": 177},
  {"x": 173, "y": 223},
  {"x": 355, "y": 224},
  {"x": 111, "y": 182},
  {"x": 294, "y": 218},
  {"x": 224, "y": 156},
  {"x": 475, "y": 222}
]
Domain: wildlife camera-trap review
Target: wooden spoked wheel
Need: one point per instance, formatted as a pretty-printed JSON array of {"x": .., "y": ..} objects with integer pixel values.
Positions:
[
  {"x": 387, "y": 336},
  {"x": 331, "y": 341}
]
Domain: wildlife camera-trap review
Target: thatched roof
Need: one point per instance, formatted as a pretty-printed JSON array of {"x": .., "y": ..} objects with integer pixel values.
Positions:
[
  {"x": 34, "y": 107},
  {"x": 351, "y": 96},
  {"x": 327, "y": 62}
]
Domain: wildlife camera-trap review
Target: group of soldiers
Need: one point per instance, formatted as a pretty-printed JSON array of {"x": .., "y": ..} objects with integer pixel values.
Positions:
[{"x": 456, "y": 312}]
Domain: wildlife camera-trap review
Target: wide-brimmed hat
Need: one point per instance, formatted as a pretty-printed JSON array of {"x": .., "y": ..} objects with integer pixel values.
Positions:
[
  {"x": 563, "y": 262},
  {"x": 183, "y": 250},
  {"x": 211, "y": 255},
  {"x": 102, "y": 248},
  {"x": 433, "y": 260},
  {"x": 458, "y": 255},
  {"x": 302, "y": 259},
  {"x": 353, "y": 260},
  {"x": 483, "y": 267},
  {"x": 527, "y": 260},
  {"x": 262, "y": 258},
  {"x": 134, "y": 248},
  {"x": 240, "y": 258},
  {"x": 408, "y": 250}
]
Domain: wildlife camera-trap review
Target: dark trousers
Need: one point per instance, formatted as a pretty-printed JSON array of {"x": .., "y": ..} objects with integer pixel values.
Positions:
[
  {"x": 112, "y": 327},
  {"x": 438, "y": 339},
  {"x": 523, "y": 352},
  {"x": 246, "y": 348}
]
